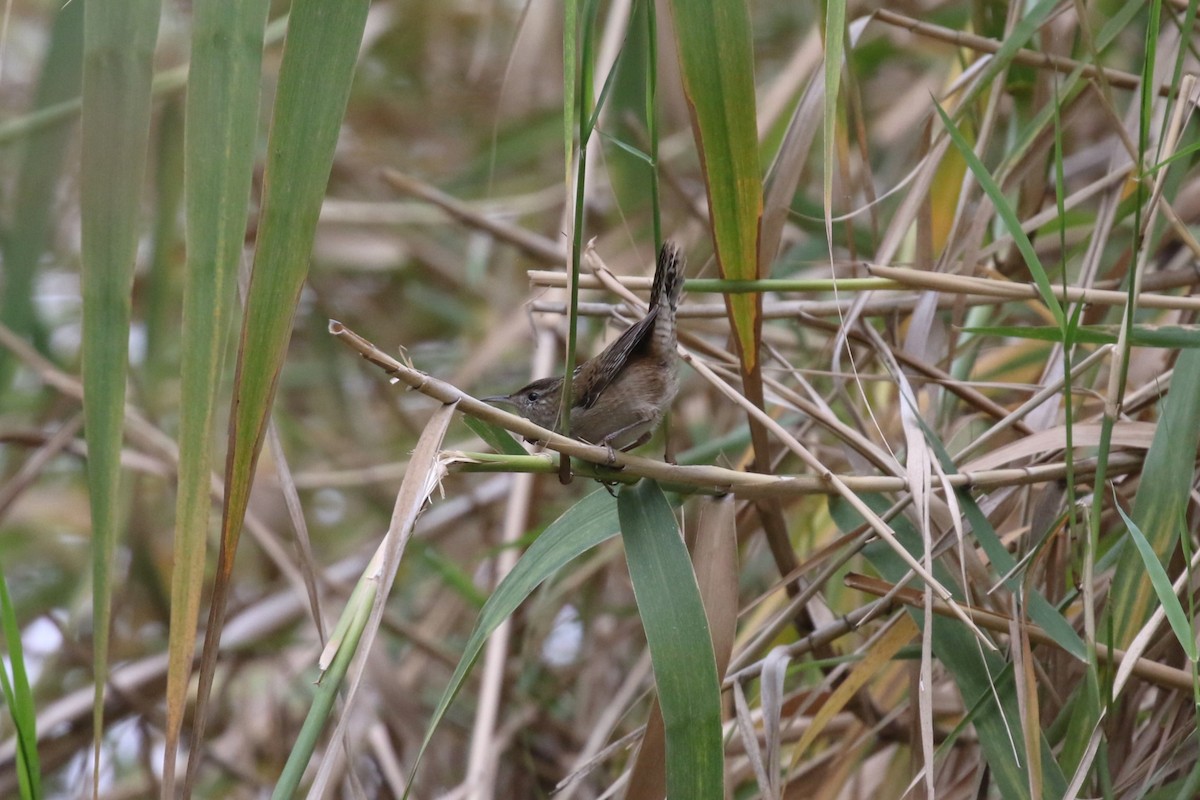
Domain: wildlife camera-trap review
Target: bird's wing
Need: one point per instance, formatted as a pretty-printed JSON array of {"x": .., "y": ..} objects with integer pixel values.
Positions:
[{"x": 613, "y": 358}]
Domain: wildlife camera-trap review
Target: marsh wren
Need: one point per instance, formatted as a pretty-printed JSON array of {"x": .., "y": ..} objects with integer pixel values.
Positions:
[{"x": 618, "y": 397}]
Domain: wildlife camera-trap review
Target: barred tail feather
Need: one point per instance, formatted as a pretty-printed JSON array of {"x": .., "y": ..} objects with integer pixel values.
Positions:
[
  {"x": 664, "y": 298},
  {"x": 668, "y": 276}
]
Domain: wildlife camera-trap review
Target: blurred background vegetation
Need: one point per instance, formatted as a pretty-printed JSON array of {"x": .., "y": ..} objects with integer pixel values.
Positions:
[{"x": 1000, "y": 198}]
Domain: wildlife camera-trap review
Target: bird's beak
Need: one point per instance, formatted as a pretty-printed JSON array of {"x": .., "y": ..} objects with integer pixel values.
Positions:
[{"x": 499, "y": 398}]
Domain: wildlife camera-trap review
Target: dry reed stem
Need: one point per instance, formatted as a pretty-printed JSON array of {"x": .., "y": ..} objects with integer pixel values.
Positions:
[
  {"x": 742, "y": 484},
  {"x": 1031, "y": 58}
]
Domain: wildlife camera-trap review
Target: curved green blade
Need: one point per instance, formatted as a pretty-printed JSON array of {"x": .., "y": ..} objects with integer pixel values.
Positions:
[{"x": 685, "y": 670}]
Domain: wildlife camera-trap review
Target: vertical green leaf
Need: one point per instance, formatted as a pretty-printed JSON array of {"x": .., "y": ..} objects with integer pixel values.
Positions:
[
  {"x": 681, "y": 650},
  {"x": 117, "y": 68},
  {"x": 159, "y": 292},
  {"x": 1162, "y": 498},
  {"x": 716, "y": 59},
  {"x": 1157, "y": 574},
  {"x": 221, "y": 130},
  {"x": 570, "y": 79},
  {"x": 19, "y": 698},
  {"x": 37, "y": 185},
  {"x": 314, "y": 86},
  {"x": 835, "y": 37}
]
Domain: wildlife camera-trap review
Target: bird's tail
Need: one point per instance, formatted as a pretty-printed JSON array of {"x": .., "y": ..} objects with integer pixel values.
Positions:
[
  {"x": 668, "y": 277},
  {"x": 664, "y": 295}
]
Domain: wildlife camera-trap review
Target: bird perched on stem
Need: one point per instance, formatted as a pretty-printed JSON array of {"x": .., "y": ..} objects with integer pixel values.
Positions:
[{"x": 618, "y": 396}]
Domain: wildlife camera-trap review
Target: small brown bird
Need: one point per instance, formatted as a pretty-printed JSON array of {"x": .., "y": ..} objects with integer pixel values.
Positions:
[{"x": 619, "y": 396}]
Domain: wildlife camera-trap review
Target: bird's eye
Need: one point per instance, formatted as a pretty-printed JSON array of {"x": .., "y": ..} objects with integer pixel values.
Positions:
[{"x": 533, "y": 397}]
